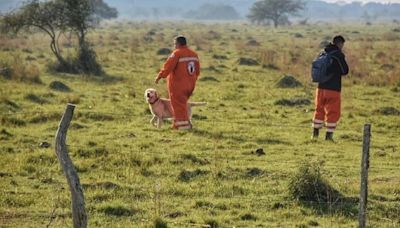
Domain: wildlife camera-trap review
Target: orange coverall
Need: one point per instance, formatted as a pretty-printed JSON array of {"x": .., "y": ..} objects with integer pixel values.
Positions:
[
  {"x": 327, "y": 103},
  {"x": 181, "y": 69}
]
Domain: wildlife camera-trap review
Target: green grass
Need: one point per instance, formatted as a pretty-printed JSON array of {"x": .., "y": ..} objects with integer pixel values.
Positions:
[{"x": 134, "y": 175}]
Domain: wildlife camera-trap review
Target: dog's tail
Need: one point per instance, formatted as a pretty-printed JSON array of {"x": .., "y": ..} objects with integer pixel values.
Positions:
[{"x": 197, "y": 104}]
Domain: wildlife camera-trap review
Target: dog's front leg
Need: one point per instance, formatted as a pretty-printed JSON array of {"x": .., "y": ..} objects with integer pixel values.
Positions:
[{"x": 159, "y": 122}]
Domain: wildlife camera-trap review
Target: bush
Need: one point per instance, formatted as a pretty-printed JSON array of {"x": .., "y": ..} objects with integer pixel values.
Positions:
[
  {"x": 15, "y": 68},
  {"x": 66, "y": 67},
  {"x": 308, "y": 185},
  {"x": 87, "y": 62}
]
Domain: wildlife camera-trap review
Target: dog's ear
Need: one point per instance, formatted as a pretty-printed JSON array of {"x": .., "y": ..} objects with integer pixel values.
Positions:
[{"x": 146, "y": 94}]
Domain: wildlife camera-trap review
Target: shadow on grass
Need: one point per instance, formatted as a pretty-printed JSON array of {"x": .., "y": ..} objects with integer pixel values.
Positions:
[
  {"x": 101, "y": 79},
  {"x": 345, "y": 206},
  {"x": 217, "y": 135}
]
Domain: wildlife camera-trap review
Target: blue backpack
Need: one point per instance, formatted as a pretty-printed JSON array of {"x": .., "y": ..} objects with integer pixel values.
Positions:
[{"x": 319, "y": 69}]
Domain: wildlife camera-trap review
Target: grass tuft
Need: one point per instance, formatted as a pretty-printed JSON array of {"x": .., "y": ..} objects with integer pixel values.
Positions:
[{"x": 308, "y": 185}]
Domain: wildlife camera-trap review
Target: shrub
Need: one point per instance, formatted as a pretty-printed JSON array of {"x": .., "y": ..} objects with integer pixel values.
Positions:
[
  {"x": 87, "y": 62},
  {"x": 308, "y": 185},
  {"x": 17, "y": 69}
]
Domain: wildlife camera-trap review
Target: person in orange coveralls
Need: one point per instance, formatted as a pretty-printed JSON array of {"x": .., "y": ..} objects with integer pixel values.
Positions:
[
  {"x": 181, "y": 69},
  {"x": 327, "y": 98}
]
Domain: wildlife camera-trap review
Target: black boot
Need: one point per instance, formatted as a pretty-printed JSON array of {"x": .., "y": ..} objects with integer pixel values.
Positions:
[
  {"x": 315, "y": 133},
  {"x": 329, "y": 136}
]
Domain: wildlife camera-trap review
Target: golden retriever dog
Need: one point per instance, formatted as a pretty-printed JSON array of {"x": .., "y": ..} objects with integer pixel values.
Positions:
[{"x": 161, "y": 108}]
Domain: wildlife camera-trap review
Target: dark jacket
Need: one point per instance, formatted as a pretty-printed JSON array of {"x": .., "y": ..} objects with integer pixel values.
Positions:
[{"x": 338, "y": 69}]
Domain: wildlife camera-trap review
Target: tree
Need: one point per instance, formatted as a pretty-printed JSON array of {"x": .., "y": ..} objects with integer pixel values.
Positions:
[
  {"x": 277, "y": 11},
  {"x": 56, "y": 17},
  {"x": 213, "y": 12}
]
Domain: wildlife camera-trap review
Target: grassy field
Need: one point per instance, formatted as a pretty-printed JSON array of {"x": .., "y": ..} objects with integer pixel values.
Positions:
[{"x": 211, "y": 176}]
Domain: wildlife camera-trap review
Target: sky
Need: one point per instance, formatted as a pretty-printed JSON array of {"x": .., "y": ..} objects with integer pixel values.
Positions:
[{"x": 364, "y": 1}]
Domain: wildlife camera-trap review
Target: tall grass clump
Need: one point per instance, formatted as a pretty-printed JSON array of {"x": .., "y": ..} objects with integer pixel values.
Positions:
[
  {"x": 15, "y": 68},
  {"x": 308, "y": 185}
]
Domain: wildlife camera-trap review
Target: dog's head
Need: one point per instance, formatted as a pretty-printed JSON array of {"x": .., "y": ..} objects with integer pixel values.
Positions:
[{"x": 151, "y": 95}]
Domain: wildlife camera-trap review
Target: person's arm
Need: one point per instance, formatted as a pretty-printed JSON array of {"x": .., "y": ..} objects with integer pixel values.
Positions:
[
  {"x": 344, "y": 68},
  {"x": 168, "y": 67}
]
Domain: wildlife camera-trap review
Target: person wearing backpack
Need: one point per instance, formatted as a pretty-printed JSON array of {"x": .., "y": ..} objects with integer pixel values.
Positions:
[{"x": 327, "y": 96}]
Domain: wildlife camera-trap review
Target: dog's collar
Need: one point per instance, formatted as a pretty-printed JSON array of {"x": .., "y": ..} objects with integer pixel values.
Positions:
[{"x": 154, "y": 101}]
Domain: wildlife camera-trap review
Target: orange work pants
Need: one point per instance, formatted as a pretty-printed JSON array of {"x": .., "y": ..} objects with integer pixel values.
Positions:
[
  {"x": 327, "y": 109},
  {"x": 179, "y": 101}
]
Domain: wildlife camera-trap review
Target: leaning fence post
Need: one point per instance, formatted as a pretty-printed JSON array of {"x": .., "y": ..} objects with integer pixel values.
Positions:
[
  {"x": 79, "y": 217},
  {"x": 362, "y": 216}
]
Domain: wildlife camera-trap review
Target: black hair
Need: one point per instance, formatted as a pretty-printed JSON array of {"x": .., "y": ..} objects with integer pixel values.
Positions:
[
  {"x": 180, "y": 40},
  {"x": 338, "y": 40}
]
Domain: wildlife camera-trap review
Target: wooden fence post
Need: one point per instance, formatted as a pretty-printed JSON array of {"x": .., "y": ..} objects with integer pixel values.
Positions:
[
  {"x": 362, "y": 216},
  {"x": 79, "y": 217}
]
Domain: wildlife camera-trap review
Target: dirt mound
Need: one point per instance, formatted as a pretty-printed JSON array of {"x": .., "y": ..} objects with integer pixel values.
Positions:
[
  {"x": 247, "y": 62},
  {"x": 253, "y": 172},
  {"x": 270, "y": 66},
  {"x": 59, "y": 86},
  {"x": 387, "y": 67},
  {"x": 187, "y": 175},
  {"x": 220, "y": 57},
  {"x": 288, "y": 81},
  {"x": 293, "y": 102},
  {"x": 35, "y": 99},
  {"x": 164, "y": 51},
  {"x": 388, "y": 111},
  {"x": 253, "y": 42},
  {"x": 259, "y": 152}
]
